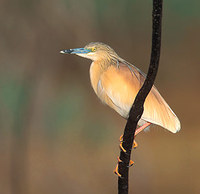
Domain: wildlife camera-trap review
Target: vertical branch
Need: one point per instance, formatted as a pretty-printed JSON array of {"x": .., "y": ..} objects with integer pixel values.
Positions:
[{"x": 137, "y": 108}]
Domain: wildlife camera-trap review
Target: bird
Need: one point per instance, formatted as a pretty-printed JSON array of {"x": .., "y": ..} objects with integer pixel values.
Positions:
[{"x": 116, "y": 82}]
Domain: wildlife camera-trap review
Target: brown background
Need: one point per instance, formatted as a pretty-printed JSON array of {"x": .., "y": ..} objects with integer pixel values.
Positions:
[{"x": 55, "y": 135}]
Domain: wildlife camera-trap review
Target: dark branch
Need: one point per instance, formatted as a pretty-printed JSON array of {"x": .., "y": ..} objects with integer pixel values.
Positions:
[{"x": 137, "y": 108}]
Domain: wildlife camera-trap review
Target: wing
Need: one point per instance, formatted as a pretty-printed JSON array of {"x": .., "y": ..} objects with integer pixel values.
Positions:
[{"x": 121, "y": 85}]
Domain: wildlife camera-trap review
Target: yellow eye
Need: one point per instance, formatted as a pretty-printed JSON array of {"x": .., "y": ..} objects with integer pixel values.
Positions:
[{"x": 93, "y": 49}]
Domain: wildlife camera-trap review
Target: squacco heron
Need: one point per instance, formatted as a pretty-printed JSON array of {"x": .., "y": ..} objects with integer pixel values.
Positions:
[{"x": 116, "y": 82}]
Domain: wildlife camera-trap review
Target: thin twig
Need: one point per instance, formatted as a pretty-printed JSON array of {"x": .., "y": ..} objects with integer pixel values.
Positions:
[{"x": 137, "y": 108}]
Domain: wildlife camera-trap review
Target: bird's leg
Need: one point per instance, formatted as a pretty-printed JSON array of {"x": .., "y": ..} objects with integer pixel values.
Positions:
[
  {"x": 135, "y": 145},
  {"x": 142, "y": 128}
]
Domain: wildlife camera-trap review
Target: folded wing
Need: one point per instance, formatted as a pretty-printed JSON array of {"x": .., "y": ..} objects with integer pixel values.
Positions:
[{"x": 120, "y": 85}]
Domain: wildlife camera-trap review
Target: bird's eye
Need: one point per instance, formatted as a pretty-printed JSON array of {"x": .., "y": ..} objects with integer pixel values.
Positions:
[{"x": 93, "y": 49}]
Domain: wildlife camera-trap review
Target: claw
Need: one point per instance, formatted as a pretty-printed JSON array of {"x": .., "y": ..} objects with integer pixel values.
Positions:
[
  {"x": 118, "y": 159},
  {"x": 116, "y": 171},
  {"x": 121, "y": 138},
  {"x": 131, "y": 163},
  {"x": 135, "y": 145},
  {"x": 121, "y": 147}
]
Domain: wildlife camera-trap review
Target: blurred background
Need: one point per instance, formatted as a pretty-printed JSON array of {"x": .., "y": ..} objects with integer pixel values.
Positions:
[{"x": 55, "y": 135}]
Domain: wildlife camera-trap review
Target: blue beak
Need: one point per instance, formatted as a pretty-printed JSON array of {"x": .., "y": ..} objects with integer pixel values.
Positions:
[{"x": 75, "y": 51}]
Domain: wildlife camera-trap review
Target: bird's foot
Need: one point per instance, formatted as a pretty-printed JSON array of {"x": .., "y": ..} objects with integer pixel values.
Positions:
[
  {"x": 135, "y": 144},
  {"x": 116, "y": 169}
]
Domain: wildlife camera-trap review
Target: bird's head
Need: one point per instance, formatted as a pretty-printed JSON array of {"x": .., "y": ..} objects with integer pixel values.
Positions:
[{"x": 94, "y": 51}]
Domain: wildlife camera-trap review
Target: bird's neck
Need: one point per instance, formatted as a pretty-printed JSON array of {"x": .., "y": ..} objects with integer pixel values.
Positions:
[
  {"x": 97, "y": 68},
  {"x": 106, "y": 62}
]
